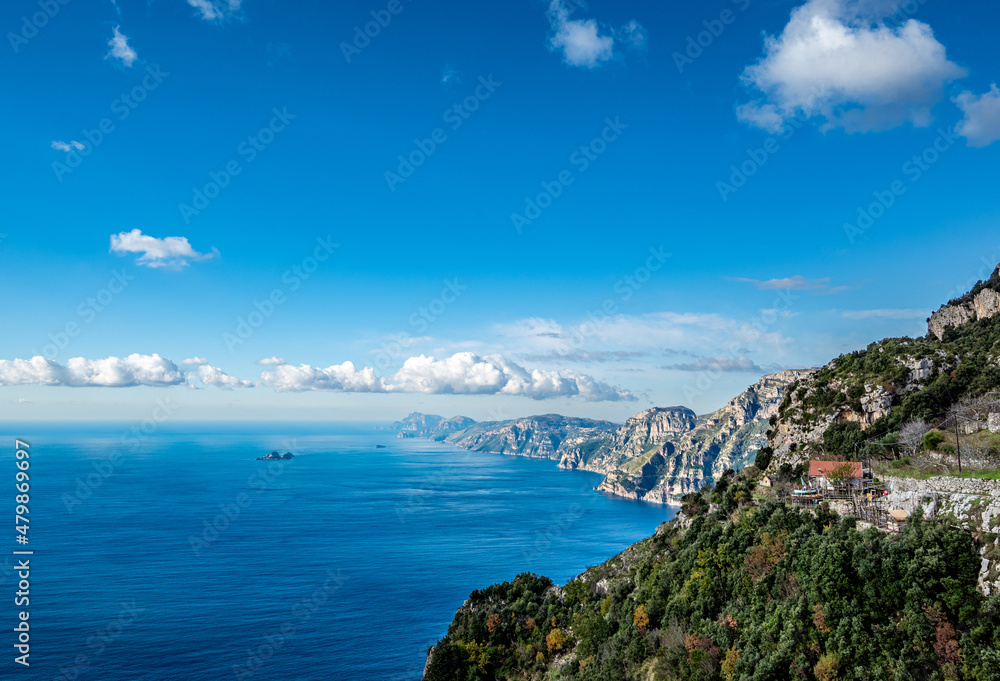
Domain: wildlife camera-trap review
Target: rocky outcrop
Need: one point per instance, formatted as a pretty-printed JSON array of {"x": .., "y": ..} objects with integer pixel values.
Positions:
[
  {"x": 275, "y": 456},
  {"x": 836, "y": 395},
  {"x": 983, "y": 302},
  {"x": 662, "y": 455},
  {"x": 969, "y": 503}
]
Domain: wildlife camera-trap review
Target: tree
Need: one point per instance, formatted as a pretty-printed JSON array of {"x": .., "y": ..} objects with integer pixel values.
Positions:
[
  {"x": 841, "y": 475},
  {"x": 555, "y": 640},
  {"x": 911, "y": 436},
  {"x": 640, "y": 618},
  {"x": 827, "y": 667}
]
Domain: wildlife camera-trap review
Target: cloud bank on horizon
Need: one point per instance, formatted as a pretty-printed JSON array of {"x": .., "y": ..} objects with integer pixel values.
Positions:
[{"x": 461, "y": 374}]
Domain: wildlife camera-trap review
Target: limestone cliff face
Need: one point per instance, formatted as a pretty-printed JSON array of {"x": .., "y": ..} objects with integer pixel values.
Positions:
[
  {"x": 641, "y": 434},
  {"x": 983, "y": 302},
  {"x": 846, "y": 391},
  {"x": 547, "y": 437},
  {"x": 697, "y": 449}
]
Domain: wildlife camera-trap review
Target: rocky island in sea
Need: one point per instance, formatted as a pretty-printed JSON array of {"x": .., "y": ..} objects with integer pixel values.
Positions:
[{"x": 275, "y": 456}]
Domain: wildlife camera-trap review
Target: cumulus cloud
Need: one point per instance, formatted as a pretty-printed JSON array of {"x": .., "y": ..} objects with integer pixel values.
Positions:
[
  {"x": 341, "y": 378},
  {"x": 120, "y": 49},
  {"x": 194, "y": 361},
  {"x": 113, "y": 372},
  {"x": 740, "y": 364},
  {"x": 172, "y": 252},
  {"x": 796, "y": 283},
  {"x": 583, "y": 42},
  {"x": 210, "y": 375},
  {"x": 216, "y": 10},
  {"x": 271, "y": 361},
  {"x": 67, "y": 146},
  {"x": 981, "y": 125},
  {"x": 464, "y": 373},
  {"x": 839, "y": 61},
  {"x": 885, "y": 314}
]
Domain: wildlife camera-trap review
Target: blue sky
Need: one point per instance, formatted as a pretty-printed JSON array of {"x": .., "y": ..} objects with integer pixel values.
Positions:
[{"x": 449, "y": 202}]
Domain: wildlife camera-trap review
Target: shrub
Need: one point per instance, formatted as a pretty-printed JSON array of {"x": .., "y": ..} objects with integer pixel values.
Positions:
[{"x": 933, "y": 440}]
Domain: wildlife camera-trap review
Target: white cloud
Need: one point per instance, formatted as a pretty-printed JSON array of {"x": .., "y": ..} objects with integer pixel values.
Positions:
[
  {"x": 120, "y": 49},
  {"x": 194, "y": 361},
  {"x": 216, "y": 10},
  {"x": 633, "y": 34},
  {"x": 583, "y": 42},
  {"x": 796, "y": 283},
  {"x": 342, "y": 378},
  {"x": 885, "y": 314},
  {"x": 210, "y": 375},
  {"x": 67, "y": 146},
  {"x": 271, "y": 361},
  {"x": 981, "y": 125},
  {"x": 173, "y": 251},
  {"x": 113, "y": 372},
  {"x": 464, "y": 373},
  {"x": 838, "y": 61}
]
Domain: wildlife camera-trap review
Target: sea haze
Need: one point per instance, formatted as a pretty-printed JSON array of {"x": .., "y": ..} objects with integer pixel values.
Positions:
[{"x": 346, "y": 562}]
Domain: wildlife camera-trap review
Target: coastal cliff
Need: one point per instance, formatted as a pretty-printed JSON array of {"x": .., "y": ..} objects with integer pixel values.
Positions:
[
  {"x": 982, "y": 302},
  {"x": 660, "y": 460},
  {"x": 857, "y": 405},
  {"x": 658, "y": 455},
  {"x": 549, "y": 436}
]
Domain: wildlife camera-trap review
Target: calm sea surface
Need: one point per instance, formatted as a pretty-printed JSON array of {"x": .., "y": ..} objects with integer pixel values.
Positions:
[{"x": 181, "y": 557}]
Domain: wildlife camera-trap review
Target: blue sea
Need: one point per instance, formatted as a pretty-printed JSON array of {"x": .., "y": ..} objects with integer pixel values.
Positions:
[{"x": 174, "y": 554}]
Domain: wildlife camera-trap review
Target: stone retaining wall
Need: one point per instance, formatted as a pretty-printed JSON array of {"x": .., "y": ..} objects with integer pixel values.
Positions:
[{"x": 969, "y": 503}]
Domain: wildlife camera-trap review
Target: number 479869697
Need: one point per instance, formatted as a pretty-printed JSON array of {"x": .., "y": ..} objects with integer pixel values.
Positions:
[{"x": 23, "y": 487}]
